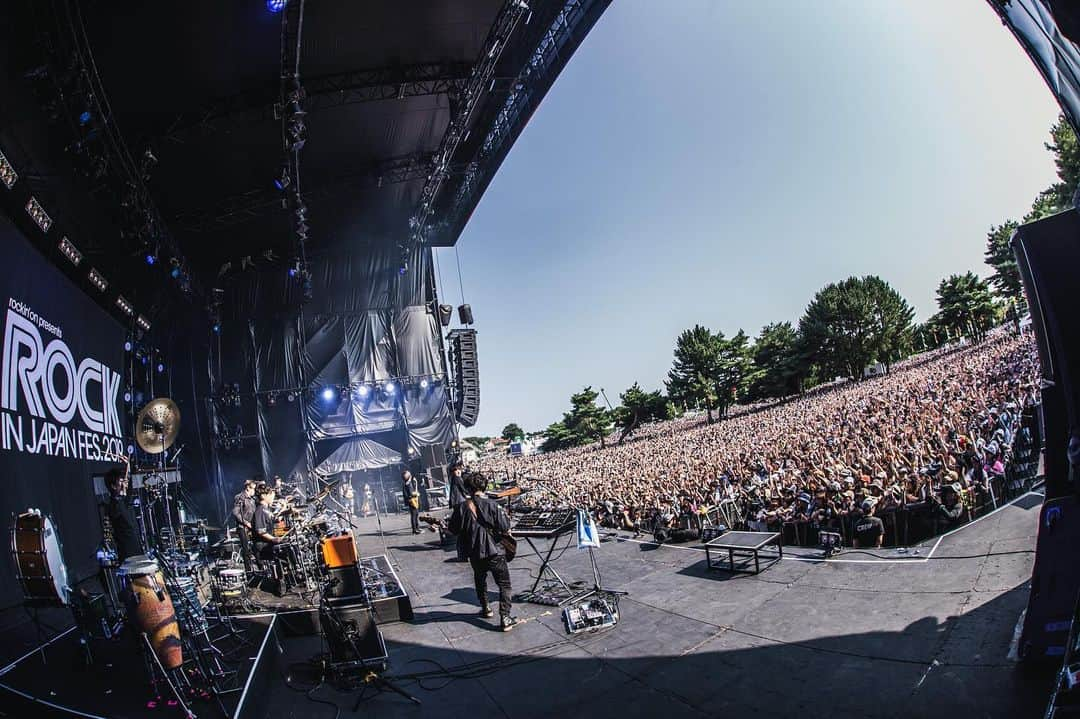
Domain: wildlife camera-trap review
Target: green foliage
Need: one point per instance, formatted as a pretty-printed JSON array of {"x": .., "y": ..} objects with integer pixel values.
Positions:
[
  {"x": 999, "y": 255},
  {"x": 585, "y": 422},
  {"x": 778, "y": 363},
  {"x": 709, "y": 370},
  {"x": 639, "y": 406},
  {"x": 965, "y": 306},
  {"x": 512, "y": 432},
  {"x": 850, "y": 325},
  {"x": 477, "y": 441}
]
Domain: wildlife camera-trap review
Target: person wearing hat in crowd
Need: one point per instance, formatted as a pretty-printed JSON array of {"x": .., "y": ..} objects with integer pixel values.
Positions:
[
  {"x": 950, "y": 508},
  {"x": 869, "y": 530}
]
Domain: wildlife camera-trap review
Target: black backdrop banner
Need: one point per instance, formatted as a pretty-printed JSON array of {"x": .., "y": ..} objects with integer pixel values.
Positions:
[{"x": 61, "y": 403}]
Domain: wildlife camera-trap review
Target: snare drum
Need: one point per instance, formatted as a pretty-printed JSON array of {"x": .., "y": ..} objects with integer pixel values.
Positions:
[
  {"x": 232, "y": 581},
  {"x": 35, "y": 546},
  {"x": 150, "y": 607}
]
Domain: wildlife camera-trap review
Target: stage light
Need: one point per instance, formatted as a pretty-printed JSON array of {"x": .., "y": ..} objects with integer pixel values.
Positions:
[
  {"x": 411, "y": 450},
  {"x": 127, "y": 396},
  {"x": 84, "y": 118},
  {"x": 293, "y": 272},
  {"x": 404, "y": 268},
  {"x": 143, "y": 323},
  {"x": 124, "y": 305},
  {"x": 38, "y": 215},
  {"x": 362, "y": 390},
  {"x": 423, "y": 384},
  {"x": 390, "y": 387},
  {"x": 131, "y": 450},
  {"x": 150, "y": 258},
  {"x": 128, "y": 346},
  {"x": 271, "y": 400},
  {"x": 283, "y": 180},
  {"x": 291, "y": 396},
  {"x": 97, "y": 280},
  {"x": 216, "y": 328},
  {"x": 144, "y": 359},
  {"x": 175, "y": 272},
  {"x": 160, "y": 367},
  {"x": 69, "y": 251},
  {"x": 7, "y": 173},
  {"x": 328, "y": 394},
  {"x": 276, "y": 5}
]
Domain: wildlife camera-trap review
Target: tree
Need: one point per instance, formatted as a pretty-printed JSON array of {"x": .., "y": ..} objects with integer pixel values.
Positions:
[
  {"x": 1066, "y": 153},
  {"x": 894, "y": 321},
  {"x": 965, "y": 306},
  {"x": 512, "y": 432},
  {"x": 999, "y": 255},
  {"x": 640, "y": 406},
  {"x": 692, "y": 377},
  {"x": 733, "y": 371},
  {"x": 776, "y": 361},
  {"x": 851, "y": 324},
  {"x": 585, "y": 422}
]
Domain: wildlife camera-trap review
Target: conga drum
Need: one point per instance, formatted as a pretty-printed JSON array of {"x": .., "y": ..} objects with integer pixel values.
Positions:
[{"x": 151, "y": 608}]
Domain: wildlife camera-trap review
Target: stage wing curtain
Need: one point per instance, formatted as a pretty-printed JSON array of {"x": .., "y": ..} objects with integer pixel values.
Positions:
[{"x": 277, "y": 374}]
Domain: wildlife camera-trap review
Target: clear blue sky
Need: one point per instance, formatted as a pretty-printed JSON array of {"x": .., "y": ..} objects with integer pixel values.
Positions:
[{"x": 702, "y": 161}]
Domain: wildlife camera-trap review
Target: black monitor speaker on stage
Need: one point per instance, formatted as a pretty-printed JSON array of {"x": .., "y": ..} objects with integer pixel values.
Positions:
[
  {"x": 1048, "y": 257},
  {"x": 446, "y": 313}
]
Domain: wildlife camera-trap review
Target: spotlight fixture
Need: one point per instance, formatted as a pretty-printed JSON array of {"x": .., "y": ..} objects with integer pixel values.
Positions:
[
  {"x": 143, "y": 323},
  {"x": 97, "y": 280},
  {"x": 85, "y": 117},
  {"x": 216, "y": 328},
  {"x": 69, "y": 251},
  {"x": 38, "y": 215},
  {"x": 128, "y": 346},
  {"x": 124, "y": 305},
  {"x": 271, "y": 399},
  {"x": 412, "y": 451},
  {"x": 362, "y": 390},
  {"x": 160, "y": 367},
  {"x": 423, "y": 384},
  {"x": 291, "y": 396},
  {"x": 151, "y": 258},
  {"x": 328, "y": 394},
  {"x": 127, "y": 396},
  {"x": 7, "y": 173},
  {"x": 276, "y": 5},
  {"x": 390, "y": 387}
]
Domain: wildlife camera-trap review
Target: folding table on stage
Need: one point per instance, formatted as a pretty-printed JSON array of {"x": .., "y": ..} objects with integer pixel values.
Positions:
[{"x": 746, "y": 546}]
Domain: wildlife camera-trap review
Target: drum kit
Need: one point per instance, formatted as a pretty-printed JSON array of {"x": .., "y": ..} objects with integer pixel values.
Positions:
[{"x": 172, "y": 597}]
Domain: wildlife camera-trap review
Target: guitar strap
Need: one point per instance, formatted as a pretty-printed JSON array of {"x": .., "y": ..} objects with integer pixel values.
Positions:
[{"x": 472, "y": 508}]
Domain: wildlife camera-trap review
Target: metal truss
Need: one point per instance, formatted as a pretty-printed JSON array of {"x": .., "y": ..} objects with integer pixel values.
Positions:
[
  {"x": 259, "y": 202},
  {"x": 558, "y": 42},
  {"x": 327, "y": 91},
  {"x": 469, "y": 100}
]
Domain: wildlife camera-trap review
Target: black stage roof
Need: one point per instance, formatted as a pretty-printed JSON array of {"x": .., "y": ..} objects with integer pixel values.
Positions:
[{"x": 390, "y": 85}]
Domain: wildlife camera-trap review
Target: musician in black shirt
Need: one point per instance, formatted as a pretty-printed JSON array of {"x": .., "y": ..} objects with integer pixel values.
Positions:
[
  {"x": 125, "y": 528},
  {"x": 478, "y": 522},
  {"x": 243, "y": 512},
  {"x": 262, "y": 524}
]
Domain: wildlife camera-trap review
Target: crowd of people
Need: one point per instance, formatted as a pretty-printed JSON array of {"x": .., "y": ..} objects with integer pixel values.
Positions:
[{"x": 927, "y": 441}]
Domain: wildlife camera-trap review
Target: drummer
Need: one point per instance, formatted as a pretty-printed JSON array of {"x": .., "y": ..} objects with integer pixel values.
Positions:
[
  {"x": 122, "y": 515},
  {"x": 263, "y": 523}
]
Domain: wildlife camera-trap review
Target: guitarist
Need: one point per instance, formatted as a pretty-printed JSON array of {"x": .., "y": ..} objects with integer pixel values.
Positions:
[{"x": 480, "y": 523}]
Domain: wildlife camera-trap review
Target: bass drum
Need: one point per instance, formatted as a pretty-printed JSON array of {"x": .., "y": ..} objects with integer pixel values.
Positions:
[{"x": 35, "y": 546}]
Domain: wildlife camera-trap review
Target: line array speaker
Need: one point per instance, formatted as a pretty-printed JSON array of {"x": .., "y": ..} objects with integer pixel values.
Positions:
[{"x": 466, "y": 375}]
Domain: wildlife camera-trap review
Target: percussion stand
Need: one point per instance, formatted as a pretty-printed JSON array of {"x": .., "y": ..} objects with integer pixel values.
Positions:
[{"x": 168, "y": 680}]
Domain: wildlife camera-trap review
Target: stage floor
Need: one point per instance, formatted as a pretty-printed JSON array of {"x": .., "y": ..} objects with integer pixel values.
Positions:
[{"x": 912, "y": 635}]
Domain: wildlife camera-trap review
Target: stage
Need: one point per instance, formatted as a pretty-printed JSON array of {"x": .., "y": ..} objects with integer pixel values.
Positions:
[
  {"x": 904, "y": 635},
  {"x": 897, "y": 634}
]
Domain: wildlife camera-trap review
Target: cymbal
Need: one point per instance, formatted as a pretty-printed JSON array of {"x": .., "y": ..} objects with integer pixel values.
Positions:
[{"x": 157, "y": 425}]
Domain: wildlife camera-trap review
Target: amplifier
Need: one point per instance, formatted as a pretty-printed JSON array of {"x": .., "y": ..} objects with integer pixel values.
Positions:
[{"x": 339, "y": 551}]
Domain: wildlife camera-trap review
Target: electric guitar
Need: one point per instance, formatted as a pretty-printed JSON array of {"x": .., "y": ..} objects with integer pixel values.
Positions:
[{"x": 506, "y": 541}]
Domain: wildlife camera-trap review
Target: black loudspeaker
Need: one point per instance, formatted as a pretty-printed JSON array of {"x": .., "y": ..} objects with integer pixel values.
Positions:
[
  {"x": 1048, "y": 255},
  {"x": 1053, "y": 581},
  {"x": 465, "y": 314},
  {"x": 433, "y": 454},
  {"x": 345, "y": 582},
  {"x": 446, "y": 312},
  {"x": 466, "y": 372},
  {"x": 351, "y": 634},
  {"x": 438, "y": 475}
]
